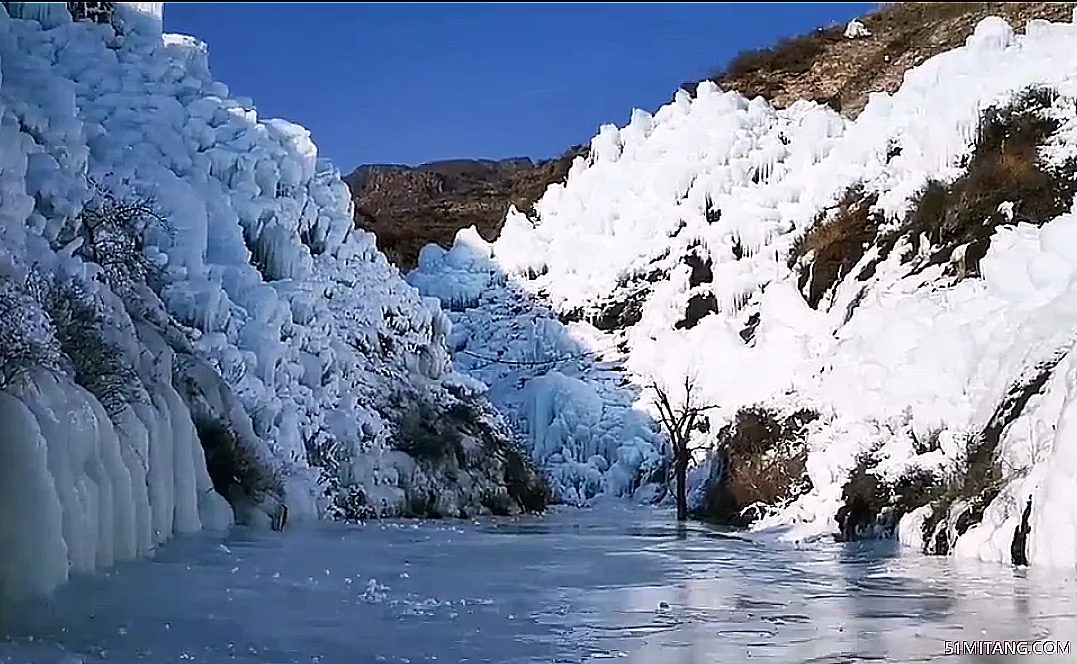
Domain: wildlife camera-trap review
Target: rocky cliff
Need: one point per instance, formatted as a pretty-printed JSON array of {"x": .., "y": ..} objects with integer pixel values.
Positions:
[{"x": 407, "y": 207}]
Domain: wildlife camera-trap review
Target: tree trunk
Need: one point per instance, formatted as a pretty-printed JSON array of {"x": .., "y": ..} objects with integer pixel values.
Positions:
[{"x": 681, "y": 470}]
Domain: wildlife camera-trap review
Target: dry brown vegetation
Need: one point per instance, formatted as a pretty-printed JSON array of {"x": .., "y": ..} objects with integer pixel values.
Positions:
[
  {"x": 794, "y": 55},
  {"x": 826, "y": 67},
  {"x": 1004, "y": 167},
  {"x": 409, "y": 207},
  {"x": 836, "y": 242},
  {"x": 762, "y": 461}
]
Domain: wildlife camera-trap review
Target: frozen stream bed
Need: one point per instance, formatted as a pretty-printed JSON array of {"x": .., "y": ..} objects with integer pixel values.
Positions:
[{"x": 574, "y": 586}]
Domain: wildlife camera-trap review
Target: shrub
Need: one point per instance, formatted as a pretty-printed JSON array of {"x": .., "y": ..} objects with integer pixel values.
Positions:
[
  {"x": 836, "y": 242},
  {"x": 111, "y": 232},
  {"x": 1004, "y": 166},
  {"x": 426, "y": 435},
  {"x": 468, "y": 438},
  {"x": 26, "y": 336},
  {"x": 523, "y": 480},
  {"x": 79, "y": 324},
  {"x": 762, "y": 464},
  {"x": 871, "y": 507}
]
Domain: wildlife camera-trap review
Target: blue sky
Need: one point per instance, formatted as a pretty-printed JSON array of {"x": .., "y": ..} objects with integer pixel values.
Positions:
[{"x": 411, "y": 83}]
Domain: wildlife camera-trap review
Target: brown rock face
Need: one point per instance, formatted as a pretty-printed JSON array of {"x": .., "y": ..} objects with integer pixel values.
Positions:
[
  {"x": 827, "y": 67},
  {"x": 408, "y": 207}
]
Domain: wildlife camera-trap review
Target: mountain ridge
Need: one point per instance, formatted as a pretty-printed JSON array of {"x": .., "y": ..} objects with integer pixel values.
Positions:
[{"x": 413, "y": 207}]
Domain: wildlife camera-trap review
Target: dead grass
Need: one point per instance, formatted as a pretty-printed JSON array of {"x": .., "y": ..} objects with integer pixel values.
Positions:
[
  {"x": 836, "y": 243},
  {"x": 791, "y": 55},
  {"x": 1004, "y": 167},
  {"x": 762, "y": 464},
  {"x": 826, "y": 67}
]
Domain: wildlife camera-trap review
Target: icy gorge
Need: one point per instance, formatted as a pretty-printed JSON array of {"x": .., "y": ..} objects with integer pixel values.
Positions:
[{"x": 876, "y": 311}]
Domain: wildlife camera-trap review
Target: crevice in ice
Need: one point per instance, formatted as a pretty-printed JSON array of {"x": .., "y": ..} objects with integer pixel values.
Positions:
[
  {"x": 234, "y": 460},
  {"x": 1019, "y": 544},
  {"x": 700, "y": 305}
]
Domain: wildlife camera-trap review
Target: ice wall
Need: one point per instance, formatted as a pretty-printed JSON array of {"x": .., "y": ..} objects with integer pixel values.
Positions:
[
  {"x": 311, "y": 339},
  {"x": 559, "y": 387}
]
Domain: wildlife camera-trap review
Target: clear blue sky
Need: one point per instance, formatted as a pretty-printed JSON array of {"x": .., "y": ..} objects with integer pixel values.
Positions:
[{"x": 411, "y": 83}]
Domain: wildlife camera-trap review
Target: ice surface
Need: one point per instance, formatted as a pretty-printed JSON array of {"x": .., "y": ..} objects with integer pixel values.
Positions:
[
  {"x": 576, "y": 586},
  {"x": 735, "y": 183}
]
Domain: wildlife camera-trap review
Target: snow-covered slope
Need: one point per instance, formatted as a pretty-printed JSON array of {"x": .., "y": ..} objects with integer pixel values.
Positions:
[
  {"x": 186, "y": 307},
  {"x": 685, "y": 238}
]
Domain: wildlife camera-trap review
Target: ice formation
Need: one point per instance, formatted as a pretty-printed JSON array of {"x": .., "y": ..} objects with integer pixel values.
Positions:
[
  {"x": 560, "y": 388},
  {"x": 855, "y": 29},
  {"x": 673, "y": 237},
  {"x": 273, "y": 336}
]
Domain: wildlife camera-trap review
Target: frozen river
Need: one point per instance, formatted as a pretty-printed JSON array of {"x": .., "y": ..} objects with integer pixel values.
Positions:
[{"x": 573, "y": 586}]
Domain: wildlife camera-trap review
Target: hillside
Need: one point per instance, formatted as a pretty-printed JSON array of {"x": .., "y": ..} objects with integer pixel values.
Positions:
[
  {"x": 827, "y": 67},
  {"x": 406, "y": 207},
  {"x": 877, "y": 313},
  {"x": 193, "y": 332}
]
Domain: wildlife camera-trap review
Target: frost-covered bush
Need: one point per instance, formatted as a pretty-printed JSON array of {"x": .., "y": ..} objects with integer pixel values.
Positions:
[
  {"x": 95, "y": 361},
  {"x": 26, "y": 336},
  {"x": 428, "y": 435},
  {"x": 111, "y": 231},
  {"x": 58, "y": 324}
]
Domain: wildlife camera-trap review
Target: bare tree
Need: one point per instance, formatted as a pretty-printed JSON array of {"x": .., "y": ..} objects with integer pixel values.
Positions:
[{"x": 681, "y": 423}]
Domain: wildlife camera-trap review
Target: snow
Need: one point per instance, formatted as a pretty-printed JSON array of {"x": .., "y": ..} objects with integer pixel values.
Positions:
[
  {"x": 549, "y": 380},
  {"x": 855, "y": 30},
  {"x": 273, "y": 314},
  {"x": 882, "y": 360}
]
